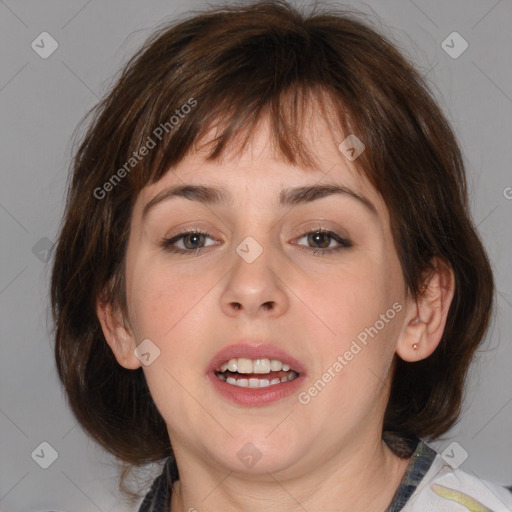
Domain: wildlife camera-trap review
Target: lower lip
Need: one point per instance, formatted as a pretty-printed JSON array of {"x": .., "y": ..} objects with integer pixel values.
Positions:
[{"x": 256, "y": 397}]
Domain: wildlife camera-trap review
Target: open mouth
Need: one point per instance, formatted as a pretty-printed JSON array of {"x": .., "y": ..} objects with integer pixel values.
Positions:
[{"x": 255, "y": 373}]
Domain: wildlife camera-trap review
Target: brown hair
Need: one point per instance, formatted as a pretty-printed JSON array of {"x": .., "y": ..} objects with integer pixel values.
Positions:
[{"x": 232, "y": 65}]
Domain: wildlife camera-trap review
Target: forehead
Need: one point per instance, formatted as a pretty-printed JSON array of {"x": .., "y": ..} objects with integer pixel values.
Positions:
[{"x": 260, "y": 172}]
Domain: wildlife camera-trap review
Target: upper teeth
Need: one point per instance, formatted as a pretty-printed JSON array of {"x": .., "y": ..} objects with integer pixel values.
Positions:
[{"x": 243, "y": 365}]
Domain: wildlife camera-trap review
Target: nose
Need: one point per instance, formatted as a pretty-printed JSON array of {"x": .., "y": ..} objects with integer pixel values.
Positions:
[{"x": 255, "y": 289}]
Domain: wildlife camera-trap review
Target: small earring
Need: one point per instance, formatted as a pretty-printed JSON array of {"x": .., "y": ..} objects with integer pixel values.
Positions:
[{"x": 415, "y": 346}]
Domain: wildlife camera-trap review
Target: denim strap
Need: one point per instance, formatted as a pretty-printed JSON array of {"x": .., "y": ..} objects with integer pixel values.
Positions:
[{"x": 420, "y": 463}]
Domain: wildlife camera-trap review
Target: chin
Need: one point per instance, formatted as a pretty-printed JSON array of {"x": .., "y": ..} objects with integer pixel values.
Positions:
[{"x": 258, "y": 453}]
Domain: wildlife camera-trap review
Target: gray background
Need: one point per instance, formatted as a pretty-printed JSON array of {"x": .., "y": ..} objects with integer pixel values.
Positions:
[{"x": 41, "y": 102}]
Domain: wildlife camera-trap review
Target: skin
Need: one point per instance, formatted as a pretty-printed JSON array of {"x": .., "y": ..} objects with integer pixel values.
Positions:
[{"x": 328, "y": 454}]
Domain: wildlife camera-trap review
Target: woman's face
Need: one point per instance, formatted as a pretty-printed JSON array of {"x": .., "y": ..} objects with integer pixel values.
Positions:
[{"x": 265, "y": 281}]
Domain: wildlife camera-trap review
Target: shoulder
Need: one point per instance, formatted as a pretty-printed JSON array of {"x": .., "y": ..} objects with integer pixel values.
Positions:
[{"x": 445, "y": 489}]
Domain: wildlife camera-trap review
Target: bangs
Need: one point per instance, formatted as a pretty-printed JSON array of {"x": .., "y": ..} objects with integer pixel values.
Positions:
[
  {"x": 218, "y": 123},
  {"x": 289, "y": 117},
  {"x": 291, "y": 71}
]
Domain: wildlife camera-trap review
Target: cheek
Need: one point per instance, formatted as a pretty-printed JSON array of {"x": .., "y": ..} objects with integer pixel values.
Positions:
[
  {"x": 352, "y": 297},
  {"x": 172, "y": 308},
  {"x": 159, "y": 299},
  {"x": 151, "y": 300},
  {"x": 168, "y": 309},
  {"x": 359, "y": 306}
]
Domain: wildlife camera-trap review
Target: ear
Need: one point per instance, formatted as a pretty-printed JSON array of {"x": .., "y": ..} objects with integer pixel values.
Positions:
[
  {"x": 118, "y": 334},
  {"x": 426, "y": 318}
]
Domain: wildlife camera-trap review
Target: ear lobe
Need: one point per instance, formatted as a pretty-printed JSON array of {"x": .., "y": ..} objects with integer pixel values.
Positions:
[
  {"x": 117, "y": 334},
  {"x": 426, "y": 320}
]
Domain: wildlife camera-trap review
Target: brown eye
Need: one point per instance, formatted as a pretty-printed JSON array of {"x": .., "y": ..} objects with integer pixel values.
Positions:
[
  {"x": 322, "y": 242},
  {"x": 193, "y": 240},
  {"x": 188, "y": 242},
  {"x": 320, "y": 238}
]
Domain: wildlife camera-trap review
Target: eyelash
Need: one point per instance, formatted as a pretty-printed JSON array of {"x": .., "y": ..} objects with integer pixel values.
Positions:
[
  {"x": 344, "y": 243},
  {"x": 167, "y": 243}
]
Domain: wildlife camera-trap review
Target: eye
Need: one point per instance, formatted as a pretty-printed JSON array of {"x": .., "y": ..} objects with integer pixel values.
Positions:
[
  {"x": 324, "y": 241},
  {"x": 187, "y": 241}
]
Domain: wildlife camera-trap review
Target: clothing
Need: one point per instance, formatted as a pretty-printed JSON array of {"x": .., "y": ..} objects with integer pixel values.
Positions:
[{"x": 429, "y": 484}]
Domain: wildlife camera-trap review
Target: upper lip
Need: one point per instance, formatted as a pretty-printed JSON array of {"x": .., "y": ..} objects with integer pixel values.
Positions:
[{"x": 254, "y": 350}]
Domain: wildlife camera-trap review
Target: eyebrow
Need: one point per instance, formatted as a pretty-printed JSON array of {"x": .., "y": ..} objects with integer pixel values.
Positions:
[{"x": 288, "y": 197}]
